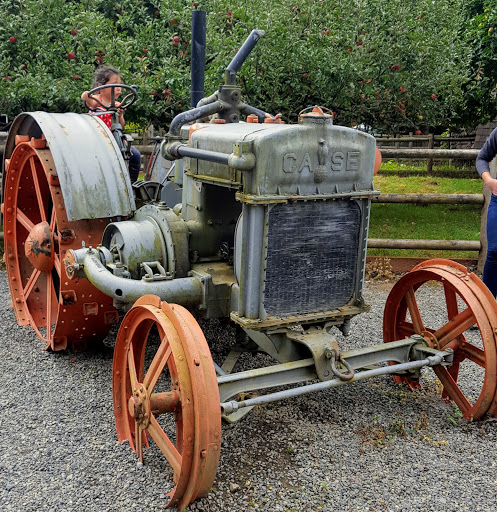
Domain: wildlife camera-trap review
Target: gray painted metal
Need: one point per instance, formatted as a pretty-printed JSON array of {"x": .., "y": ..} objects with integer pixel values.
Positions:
[
  {"x": 92, "y": 173},
  {"x": 187, "y": 291},
  {"x": 291, "y": 159},
  {"x": 268, "y": 377},
  {"x": 305, "y": 369},
  {"x": 135, "y": 242},
  {"x": 230, "y": 407},
  {"x": 253, "y": 222}
]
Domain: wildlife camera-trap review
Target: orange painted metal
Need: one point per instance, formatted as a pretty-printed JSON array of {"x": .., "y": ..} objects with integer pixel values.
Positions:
[
  {"x": 183, "y": 365},
  {"x": 38, "y": 247},
  {"x": 467, "y": 302},
  {"x": 37, "y": 235}
]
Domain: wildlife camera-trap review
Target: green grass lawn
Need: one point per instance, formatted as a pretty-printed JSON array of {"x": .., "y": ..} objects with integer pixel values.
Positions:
[{"x": 435, "y": 221}]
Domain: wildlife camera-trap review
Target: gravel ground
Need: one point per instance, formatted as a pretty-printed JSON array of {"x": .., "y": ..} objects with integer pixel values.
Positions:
[{"x": 370, "y": 446}]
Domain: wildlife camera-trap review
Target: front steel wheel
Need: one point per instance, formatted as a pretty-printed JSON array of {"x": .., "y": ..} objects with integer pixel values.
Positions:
[{"x": 440, "y": 300}]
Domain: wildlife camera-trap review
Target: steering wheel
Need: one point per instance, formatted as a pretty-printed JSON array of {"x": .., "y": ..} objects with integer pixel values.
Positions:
[{"x": 131, "y": 97}]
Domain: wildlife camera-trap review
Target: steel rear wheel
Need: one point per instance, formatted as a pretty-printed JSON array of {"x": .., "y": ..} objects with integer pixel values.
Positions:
[
  {"x": 471, "y": 380},
  {"x": 165, "y": 389},
  {"x": 37, "y": 235}
]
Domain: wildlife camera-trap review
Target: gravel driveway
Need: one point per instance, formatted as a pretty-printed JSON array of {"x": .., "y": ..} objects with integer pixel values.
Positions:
[{"x": 370, "y": 446}]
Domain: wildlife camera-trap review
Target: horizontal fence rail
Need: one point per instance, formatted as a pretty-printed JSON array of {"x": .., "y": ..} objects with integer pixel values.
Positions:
[
  {"x": 424, "y": 244},
  {"x": 430, "y": 198},
  {"x": 423, "y": 153},
  {"x": 429, "y": 245}
]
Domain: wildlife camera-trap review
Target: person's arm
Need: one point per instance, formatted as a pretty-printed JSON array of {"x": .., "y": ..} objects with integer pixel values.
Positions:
[
  {"x": 490, "y": 182},
  {"x": 88, "y": 101},
  {"x": 121, "y": 116},
  {"x": 487, "y": 153}
]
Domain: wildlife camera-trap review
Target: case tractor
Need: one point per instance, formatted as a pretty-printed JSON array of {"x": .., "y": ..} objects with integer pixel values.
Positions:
[{"x": 270, "y": 233}]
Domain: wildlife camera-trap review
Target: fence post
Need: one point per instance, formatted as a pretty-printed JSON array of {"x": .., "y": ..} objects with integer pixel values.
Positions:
[
  {"x": 148, "y": 135},
  {"x": 429, "y": 164},
  {"x": 483, "y": 228}
]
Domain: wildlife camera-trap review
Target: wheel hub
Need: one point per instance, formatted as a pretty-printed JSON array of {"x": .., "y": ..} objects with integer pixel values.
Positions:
[
  {"x": 39, "y": 247},
  {"x": 139, "y": 406}
]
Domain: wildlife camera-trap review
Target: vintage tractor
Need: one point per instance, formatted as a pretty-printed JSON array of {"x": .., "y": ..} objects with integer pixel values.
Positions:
[{"x": 271, "y": 233}]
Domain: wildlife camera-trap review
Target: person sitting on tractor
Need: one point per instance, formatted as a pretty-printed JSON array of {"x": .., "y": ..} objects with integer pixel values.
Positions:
[{"x": 102, "y": 98}]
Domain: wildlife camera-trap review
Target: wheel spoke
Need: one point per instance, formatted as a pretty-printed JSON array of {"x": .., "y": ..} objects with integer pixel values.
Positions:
[
  {"x": 157, "y": 365},
  {"x": 405, "y": 329},
  {"x": 450, "y": 300},
  {"x": 414, "y": 311},
  {"x": 56, "y": 262},
  {"x": 165, "y": 445},
  {"x": 24, "y": 220},
  {"x": 139, "y": 441},
  {"x": 50, "y": 291},
  {"x": 132, "y": 367},
  {"x": 455, "y": 327},
  {"x": 37, "y": 189},
  {"x": 452, "y": 389},
  {"x": 473, "y": 353},
  {"x": 30, "y": 284},
  {"x": 53, "y": 223},
  {"x": 454, "y": 373}
]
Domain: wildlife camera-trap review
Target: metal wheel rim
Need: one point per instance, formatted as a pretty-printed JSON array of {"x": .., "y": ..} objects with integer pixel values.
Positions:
[
  {"x": 196, "y": 464},
  {"x": 59, "y": 312},
  {"x": 457, "y": 283}
]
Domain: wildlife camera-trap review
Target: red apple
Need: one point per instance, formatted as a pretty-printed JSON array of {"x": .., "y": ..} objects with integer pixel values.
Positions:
[
  {"x": 393, "y": 68},
  {"x": 74, "y": 32},
  {"x": 176, "y": 39},
  {"x": 70, "y": 55},
  {"x": 418, "y": 132},
  {"x": 13, "y": 39},
  {"x": 433, "y": 96}
]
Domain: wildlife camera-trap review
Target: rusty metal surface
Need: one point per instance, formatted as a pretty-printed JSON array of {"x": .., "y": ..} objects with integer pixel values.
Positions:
[
  {"x": 37, "y": 236},
  {"x": 190, "y": 398},
  {"x": 403, "y": 318},
  {"x": 92, "y": 173}
]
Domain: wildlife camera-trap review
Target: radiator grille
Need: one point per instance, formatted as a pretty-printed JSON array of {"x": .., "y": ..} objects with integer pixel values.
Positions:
[{"x": 311, "y": 256}]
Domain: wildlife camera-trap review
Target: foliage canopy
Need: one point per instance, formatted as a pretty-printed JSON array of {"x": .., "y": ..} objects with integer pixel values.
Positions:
[{"x": 396, "y": 65}]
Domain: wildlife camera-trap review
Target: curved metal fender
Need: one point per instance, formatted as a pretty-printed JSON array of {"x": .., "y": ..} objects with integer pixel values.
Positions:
[{"x": 92, "y": 173}]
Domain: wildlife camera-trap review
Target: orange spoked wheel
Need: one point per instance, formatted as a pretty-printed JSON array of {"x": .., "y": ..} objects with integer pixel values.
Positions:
[
  {"x": 37, "y": 235},
  {"x": 440, "y": 300},
  {"x": 165, "y": 389}
]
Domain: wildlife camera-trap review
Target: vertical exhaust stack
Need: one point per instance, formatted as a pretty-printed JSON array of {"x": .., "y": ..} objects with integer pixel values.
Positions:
[{"x": 198, "y": 57}]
